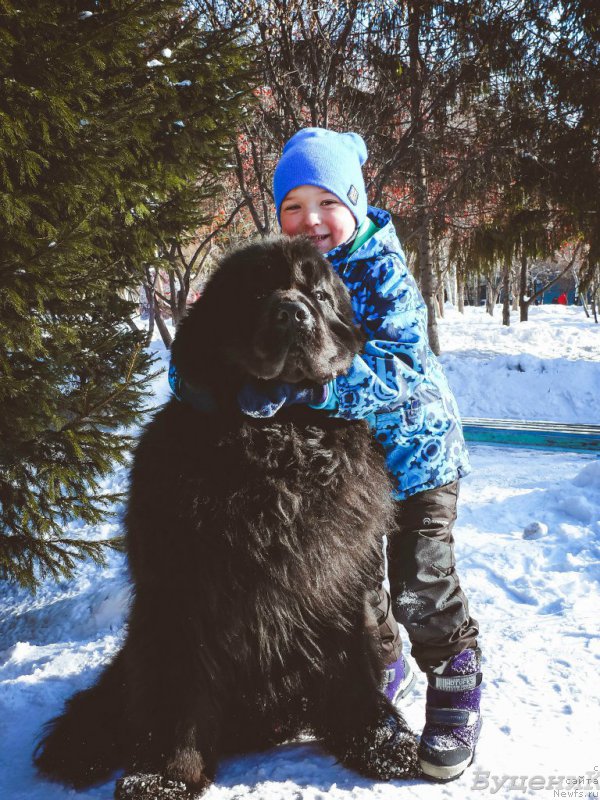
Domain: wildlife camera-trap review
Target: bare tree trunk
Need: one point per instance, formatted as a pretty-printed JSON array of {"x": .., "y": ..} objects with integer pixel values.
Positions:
[
  {"x": 491, "y": 294},
  {"x": 506, "y": 297},
  {"x": 150, "y": 301},
  {"x": 173, "y": 295},
  {"x": 440, "y": 300},
  {"x": 162, "y": 327},
  {"x": 427, "y": 273},
  {"x": 426, "y": 270},
  {"x": 471, "y": 289},
  {"x": 155, "y": 310},
  {"x": 523, "y": 297},
  {"x": 460, "y": 294},
  {"x": 452, "y": 286},
  {"x": 514, "y": 281},
  {"x": 585, "y": 308}
]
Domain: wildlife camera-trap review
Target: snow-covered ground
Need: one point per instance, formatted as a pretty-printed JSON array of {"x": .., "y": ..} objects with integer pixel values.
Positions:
[
  {"x": 536, "y": 598},
  {"x": 538, "y": 369}
]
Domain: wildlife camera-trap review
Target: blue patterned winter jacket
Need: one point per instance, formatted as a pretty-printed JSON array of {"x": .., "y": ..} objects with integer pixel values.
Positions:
[{"x": 396, "y": 384}]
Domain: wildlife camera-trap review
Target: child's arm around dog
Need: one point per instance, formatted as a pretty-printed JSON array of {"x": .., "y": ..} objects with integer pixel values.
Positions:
[{"x": 390, "y": 310}]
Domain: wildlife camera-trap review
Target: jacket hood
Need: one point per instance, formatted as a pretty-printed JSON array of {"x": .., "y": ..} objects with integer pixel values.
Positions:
[{"x": 384, "y": 240}]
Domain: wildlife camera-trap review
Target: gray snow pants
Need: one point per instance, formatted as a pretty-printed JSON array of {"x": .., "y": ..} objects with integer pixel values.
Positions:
[{"x": 426, "y": 598}]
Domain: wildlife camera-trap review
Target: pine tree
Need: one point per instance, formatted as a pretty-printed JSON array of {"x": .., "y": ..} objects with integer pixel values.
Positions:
[
  {"x": 114, "y": 122},
  {"x": 548, "y": 131}
]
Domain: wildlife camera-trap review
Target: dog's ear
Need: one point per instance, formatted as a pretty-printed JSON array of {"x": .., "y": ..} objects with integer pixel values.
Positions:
[
  {"x": 193, "y": 350},
  {"x": 203, "y": 338}
]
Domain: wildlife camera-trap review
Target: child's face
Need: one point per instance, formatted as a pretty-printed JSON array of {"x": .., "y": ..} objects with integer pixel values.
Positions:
[{"x": 318, "y": 214}]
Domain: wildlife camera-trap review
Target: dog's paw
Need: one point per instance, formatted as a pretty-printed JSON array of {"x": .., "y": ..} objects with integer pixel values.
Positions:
[
  {"x": 152, "y": 786},
  {"x": 187, "y": 766},
  {"x": 385, "y": 752}
]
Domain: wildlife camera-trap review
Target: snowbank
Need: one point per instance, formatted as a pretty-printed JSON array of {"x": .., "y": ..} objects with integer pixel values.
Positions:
[{"x": 545, "y": 369}]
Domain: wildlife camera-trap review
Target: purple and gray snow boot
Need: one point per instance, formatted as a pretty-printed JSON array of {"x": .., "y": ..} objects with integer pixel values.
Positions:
[
  {"x": 398, "y": 680},
  {"x": 452, "y": 718}
]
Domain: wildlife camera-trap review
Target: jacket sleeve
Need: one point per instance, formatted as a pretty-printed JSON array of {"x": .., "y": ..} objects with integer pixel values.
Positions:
[{"x": 389, "y": 308}]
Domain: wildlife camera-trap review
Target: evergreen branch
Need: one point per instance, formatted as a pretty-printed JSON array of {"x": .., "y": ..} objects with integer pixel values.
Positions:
[{"x": 82, "y": 419}]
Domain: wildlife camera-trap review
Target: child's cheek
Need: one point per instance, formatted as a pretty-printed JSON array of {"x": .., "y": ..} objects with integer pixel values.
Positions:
[{"x": 288, "y": 226}]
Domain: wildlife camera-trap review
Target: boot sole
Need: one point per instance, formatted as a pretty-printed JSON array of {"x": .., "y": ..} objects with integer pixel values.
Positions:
[{"x": 444, "y": 774}]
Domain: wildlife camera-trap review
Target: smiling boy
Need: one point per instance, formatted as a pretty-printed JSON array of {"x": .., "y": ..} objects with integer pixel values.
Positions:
[{"x": 399, "y": 387}]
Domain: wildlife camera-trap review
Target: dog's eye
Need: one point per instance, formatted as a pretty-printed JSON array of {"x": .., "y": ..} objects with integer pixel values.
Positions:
[{"x": 320, "y": 295}]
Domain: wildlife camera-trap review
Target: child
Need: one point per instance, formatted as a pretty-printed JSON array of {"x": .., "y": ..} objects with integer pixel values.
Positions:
[{"x": 398, "y": 385}]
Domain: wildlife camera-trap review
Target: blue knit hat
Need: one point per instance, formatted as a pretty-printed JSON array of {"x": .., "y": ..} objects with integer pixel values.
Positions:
[{"x": 330, "y": 160}]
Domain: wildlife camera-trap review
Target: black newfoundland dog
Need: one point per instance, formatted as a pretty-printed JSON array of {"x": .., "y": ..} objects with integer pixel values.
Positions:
[{"x": 251, "y": 544}]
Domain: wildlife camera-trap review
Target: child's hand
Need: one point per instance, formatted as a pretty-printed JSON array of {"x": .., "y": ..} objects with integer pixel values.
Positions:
[{"x": 265, "y": 400}]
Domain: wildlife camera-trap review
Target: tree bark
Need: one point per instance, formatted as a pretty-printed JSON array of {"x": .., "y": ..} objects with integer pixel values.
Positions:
[
  {"x": 460, "y": 295},
  {"x": 506, "y": 298},
  {"x": 427, "y": 273},
  {"x": 584, "y": 305},
  {"x": 150, "y": 300},
  {"x": 162, "y": 326},
  {"x": 440, "y": 300},
  {"x": 452, "y": 285},
  {"x": 426, "y": 270},
  {"x": 515, "y": 294},
  {"x": 491, "y": 293},
  {"x": 523, "y": 298}
]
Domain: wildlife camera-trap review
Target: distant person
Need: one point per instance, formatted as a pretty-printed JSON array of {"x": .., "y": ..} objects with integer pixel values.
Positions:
[{"x": 562, "y": 299}]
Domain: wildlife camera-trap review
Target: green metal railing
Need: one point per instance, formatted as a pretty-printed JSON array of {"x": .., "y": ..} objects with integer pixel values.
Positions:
[{"x": 542, "y": 435}]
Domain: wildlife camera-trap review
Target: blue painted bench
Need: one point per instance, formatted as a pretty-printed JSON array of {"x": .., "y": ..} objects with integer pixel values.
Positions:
[{"x": 542, "y": 435}]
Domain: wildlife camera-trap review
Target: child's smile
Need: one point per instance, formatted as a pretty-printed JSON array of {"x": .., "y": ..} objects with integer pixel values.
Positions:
[{"x": 318, "y": 214}]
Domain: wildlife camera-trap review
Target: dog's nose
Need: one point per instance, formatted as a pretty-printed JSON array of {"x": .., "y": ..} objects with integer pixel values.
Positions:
[{"x": 292, "y": 314}]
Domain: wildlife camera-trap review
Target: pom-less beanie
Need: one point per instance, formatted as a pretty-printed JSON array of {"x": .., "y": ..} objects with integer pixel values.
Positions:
[{"x": 330, "y": 160}]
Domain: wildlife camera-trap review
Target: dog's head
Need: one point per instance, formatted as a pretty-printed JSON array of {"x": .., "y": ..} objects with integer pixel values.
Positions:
[{"x": 273, "y": 310}]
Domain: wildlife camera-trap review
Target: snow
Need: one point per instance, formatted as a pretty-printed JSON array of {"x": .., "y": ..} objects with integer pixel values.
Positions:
[
  {"x": 544, "y": 369},
  {"x": 536, "y": 597}
]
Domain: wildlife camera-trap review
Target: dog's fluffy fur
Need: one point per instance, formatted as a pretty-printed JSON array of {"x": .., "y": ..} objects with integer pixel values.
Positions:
[{"x": 251, "y": 545}]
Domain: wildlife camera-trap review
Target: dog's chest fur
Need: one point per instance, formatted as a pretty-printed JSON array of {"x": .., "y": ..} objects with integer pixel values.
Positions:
[{"x": 289, "y": 514}]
